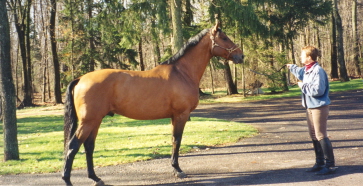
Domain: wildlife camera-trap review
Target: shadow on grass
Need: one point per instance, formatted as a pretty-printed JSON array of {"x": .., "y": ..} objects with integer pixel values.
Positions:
[
  {"x": 40, "y": 124},
  {"x": 46, "y": 124}
]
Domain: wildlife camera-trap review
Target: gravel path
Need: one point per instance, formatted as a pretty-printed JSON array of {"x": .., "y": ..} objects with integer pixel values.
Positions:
[{"x": 279, "y": 155}]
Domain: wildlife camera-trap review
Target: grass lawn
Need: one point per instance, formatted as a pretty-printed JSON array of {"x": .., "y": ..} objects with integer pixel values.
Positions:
[{"x": 120, "y": 140}]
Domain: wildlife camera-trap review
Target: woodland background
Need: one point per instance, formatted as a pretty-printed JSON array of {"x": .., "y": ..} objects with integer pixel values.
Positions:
[{"x": 53, "y": 42}]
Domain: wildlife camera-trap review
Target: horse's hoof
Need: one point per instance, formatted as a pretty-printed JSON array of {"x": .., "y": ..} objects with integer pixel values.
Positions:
[
  {"x": 99, "y": 183},
  {"x": 67, "y": 180},
  {"x": 180, "y": 174}
]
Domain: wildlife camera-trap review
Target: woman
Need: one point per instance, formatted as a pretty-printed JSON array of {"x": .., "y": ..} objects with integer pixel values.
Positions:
[{"x": 315, "y": 98}]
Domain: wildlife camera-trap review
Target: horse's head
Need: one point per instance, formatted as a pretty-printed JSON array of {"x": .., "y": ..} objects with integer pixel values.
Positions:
[{"x": 222, "y": 46}]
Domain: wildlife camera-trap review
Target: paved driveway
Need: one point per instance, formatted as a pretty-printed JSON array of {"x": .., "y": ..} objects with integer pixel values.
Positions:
[{"x": 279, "y": 155}]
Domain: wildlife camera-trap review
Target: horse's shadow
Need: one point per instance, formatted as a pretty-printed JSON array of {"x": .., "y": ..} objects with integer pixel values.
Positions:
[{"x": 282, "y": 176}]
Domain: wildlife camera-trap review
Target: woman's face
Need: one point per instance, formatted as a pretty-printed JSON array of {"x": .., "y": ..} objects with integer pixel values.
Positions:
[{"x": 305, "y": 59}]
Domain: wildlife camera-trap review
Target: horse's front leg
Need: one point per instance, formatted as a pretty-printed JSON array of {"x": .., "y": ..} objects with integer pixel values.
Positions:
[{"x": 178, "y": 128}]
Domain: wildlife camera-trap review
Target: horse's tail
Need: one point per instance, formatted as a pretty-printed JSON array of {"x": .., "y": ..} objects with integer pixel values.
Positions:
[{"x": 70, "y": 116}]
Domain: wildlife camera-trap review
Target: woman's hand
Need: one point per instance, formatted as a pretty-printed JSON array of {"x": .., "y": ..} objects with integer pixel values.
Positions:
[
  {"x": 300, "y": 84},
  {"x": 289, "y": 65}
]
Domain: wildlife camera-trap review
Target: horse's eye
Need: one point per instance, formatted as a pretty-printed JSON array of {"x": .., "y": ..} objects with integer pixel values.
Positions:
[{"x": 225, "y": 38}]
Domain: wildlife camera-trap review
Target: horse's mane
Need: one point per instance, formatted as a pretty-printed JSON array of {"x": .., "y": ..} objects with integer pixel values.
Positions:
[{"x": 191, "y": 42}]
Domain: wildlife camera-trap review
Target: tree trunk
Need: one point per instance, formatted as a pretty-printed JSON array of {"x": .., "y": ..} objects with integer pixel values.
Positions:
[
  {"x": 243, "y": 80},
  {"x": 176, "y": 10},
  {"x": 334, "y": 56},
  {"x": 7, "y": 88},
  {"x": 292, "y": 49},
  {"x": 318, "y": 39},
  {"x": 188, "y": 15},
  {"x": 17, "y": 74},
  {"x": 91, "y": 38},
  {"x": 44, "y": 86},
  {"x": 20, "y": 16},
  {"x": 243, "y": 72},
  {"x": 28, "y": 56},
  {"x": 157, "y": 53},
  {"x": 211, "y": 76},
  {"x": 57, "y": 87},
  {"x": 48, "y": 89},
  {"x": 342, "y": 69},
  {"x": 235, "y": 76},
  {"x": 355, "y": 39},
  {"x": 231, "y": 87},
  {"x": 72, "y": 40},
  {"x": 142, "y": 65},
  {"x": 44, "y": 55},
  {"x": 21, "y": 36}
]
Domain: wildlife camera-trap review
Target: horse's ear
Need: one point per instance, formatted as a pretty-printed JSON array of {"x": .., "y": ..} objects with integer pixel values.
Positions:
[{"x": 215, "y": 28}]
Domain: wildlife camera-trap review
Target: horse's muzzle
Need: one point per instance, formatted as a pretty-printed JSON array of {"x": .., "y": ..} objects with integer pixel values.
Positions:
[{"x": 238, "y": 58}]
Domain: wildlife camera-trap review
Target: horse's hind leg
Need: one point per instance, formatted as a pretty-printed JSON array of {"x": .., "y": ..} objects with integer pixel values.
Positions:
[
  {"x": 71, "y": 151},
  {"x": 89, "y": 146},
  {"x": 83, "y": 135}
]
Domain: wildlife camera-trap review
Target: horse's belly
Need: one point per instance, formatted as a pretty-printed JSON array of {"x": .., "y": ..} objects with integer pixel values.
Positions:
[
  {"x": 151, "y": 109},
  {"x": 142, "y": 113}
]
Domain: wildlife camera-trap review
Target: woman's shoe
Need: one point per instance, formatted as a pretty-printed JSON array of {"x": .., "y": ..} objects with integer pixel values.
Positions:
[
  {"x": 326, "y": 171},
  {"x": 317, "y": 167}
]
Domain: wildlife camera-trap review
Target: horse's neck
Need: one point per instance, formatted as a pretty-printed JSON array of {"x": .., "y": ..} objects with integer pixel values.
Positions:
[{"x": 194, "y": 63}]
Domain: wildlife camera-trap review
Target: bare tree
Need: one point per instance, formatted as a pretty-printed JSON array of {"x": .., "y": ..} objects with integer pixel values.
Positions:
[
  {"x": 8, "y": 106},
  {"x": 57, "y": 88},
  {"x": 21, "y": 14},
  {"x": 231, "y": 86},
  {"x": 334, "y": 74},
  {"x": 355, "y": 39},
  {"x": 141, "y": 57},
  {"x": 45, "y": 50},
  {"x": 176, "y": 11},
  {"x": 340, "y": 44}
]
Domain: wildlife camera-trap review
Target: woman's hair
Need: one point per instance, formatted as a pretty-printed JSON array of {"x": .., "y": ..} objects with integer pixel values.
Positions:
[{"x": 311, "y": 51}]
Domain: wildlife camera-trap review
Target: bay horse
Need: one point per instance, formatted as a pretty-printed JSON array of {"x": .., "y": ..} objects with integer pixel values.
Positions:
[{"x": 170, "y": 90}]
